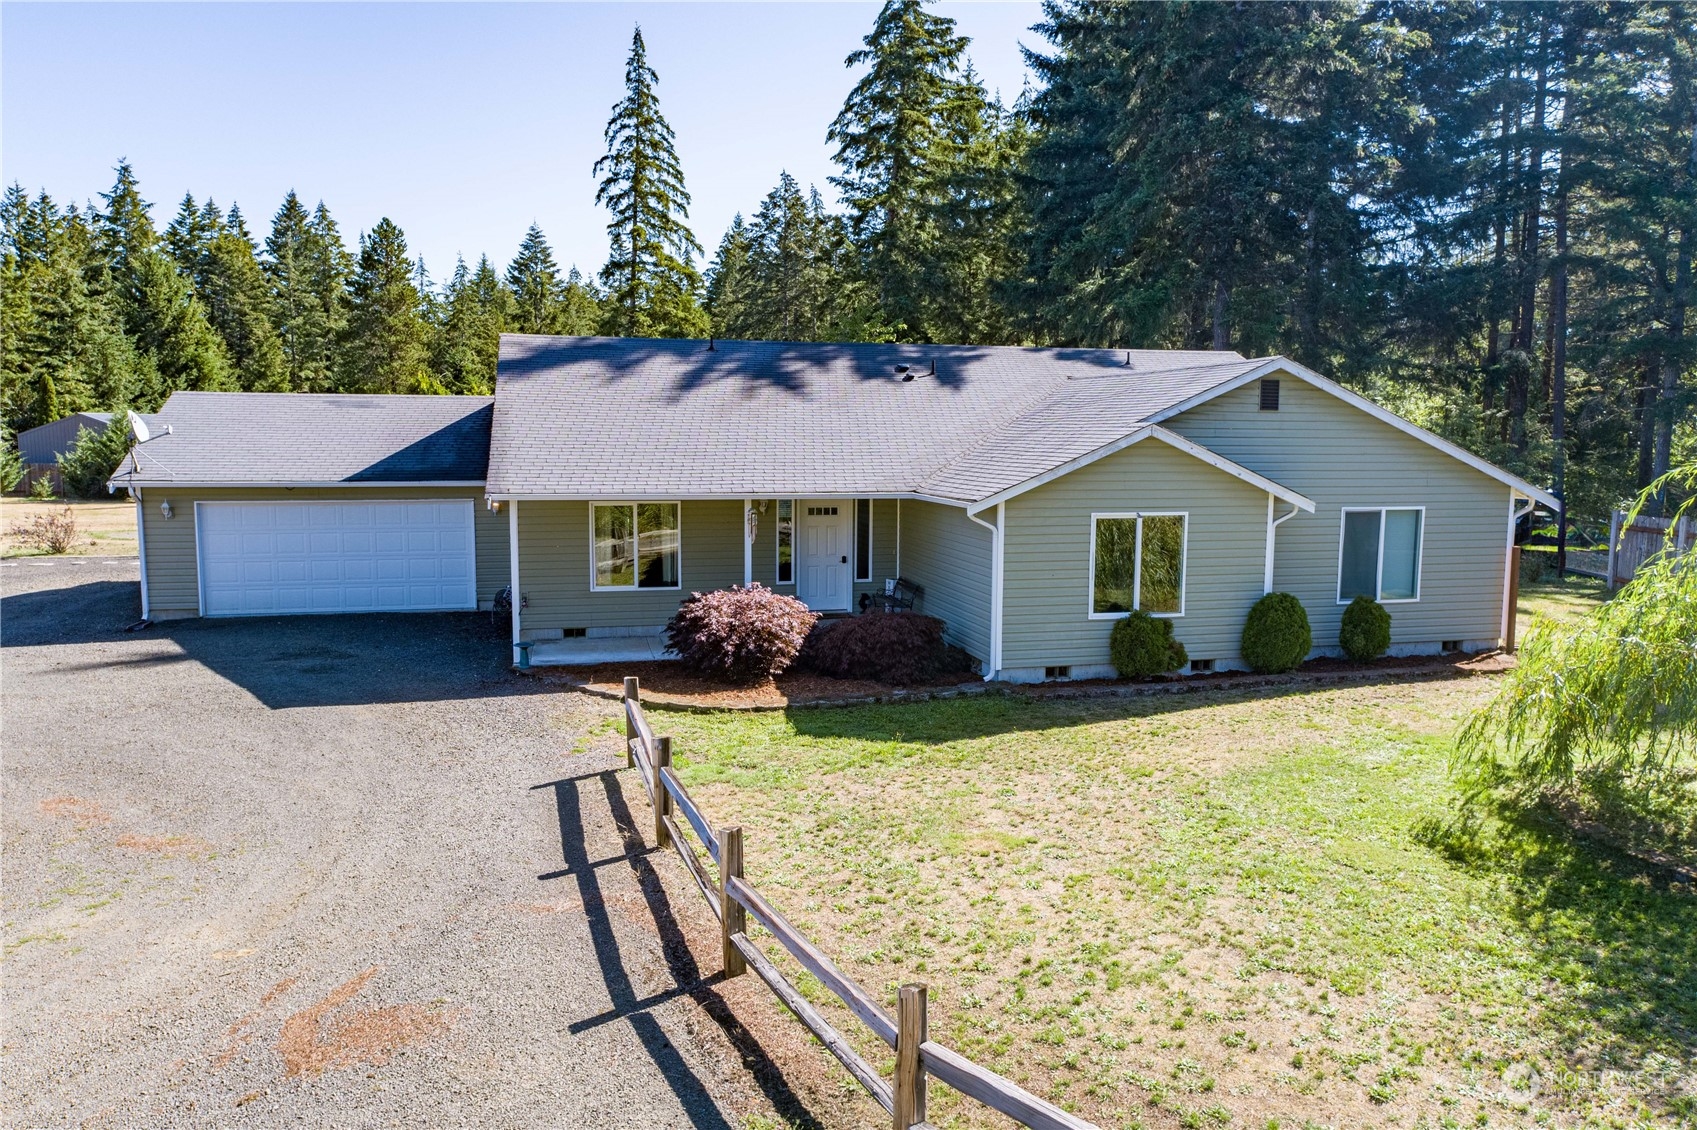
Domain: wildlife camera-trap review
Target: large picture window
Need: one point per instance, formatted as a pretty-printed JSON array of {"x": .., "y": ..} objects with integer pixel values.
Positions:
[
  {"x": 635, "y": 545},
  {"x": 1137, "y": 563},
  {"x": 1379, "y": 554}
]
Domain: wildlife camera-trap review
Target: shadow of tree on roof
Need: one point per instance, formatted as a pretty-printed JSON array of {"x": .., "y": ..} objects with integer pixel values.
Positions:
[
  {"x": 694, "y": 365},
  {"x": 458, "y": 452}
]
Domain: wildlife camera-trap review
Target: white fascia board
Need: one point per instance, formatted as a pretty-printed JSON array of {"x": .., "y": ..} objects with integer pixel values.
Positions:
[
  {"x": 505, "y": 496},
  {"x": 183, "y": 485},
  {"x": 1170, "y": 438},
  {"x": 1272, "y": 365}
]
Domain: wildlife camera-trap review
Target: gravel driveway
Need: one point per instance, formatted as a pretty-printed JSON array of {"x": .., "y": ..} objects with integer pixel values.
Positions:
[{"x": 340, "y": 871}]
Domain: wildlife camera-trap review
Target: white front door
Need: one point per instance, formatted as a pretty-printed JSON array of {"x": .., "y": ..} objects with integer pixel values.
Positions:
[{"x": 824, "y": 577}]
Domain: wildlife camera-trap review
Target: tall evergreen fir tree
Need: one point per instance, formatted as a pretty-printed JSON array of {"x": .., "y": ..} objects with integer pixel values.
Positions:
[
  {"x": 475, "y": 310},
  {"x": 650, "y": 276},
  {"x": 727, "y": 281},
  {"x": 308, "y": 270},
  {"x": 580, "y": 306},
  {"x": 237, "y": 297},
  {"x": 385, "y": 347},
  {"x": 907, "y": 139},
  {"x": 538, "y": 291}
]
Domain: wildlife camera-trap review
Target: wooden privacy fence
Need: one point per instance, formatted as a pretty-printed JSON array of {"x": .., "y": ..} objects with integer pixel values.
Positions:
[
  {"x": 733, "y": 899},
  {"x": 1630, "y": 545}
]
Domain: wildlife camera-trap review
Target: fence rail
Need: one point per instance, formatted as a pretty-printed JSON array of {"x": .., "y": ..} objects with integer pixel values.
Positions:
[{"x": 733, "y": 899}]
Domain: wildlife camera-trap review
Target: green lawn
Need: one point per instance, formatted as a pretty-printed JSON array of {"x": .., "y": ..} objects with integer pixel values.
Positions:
[
  {"x": 1218, "y": 910},
  {"x": 1565, "y": 599}
]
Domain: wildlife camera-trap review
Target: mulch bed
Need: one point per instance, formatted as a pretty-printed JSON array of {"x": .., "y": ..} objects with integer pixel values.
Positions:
[{"x": 669, "y": 684}]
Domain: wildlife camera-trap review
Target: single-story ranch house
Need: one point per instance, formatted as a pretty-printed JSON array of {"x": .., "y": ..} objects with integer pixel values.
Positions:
[{"x": 1033, "y": 495}]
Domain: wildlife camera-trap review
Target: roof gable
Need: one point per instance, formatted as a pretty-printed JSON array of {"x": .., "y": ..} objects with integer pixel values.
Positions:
[{"x": 1268, "y": 366}]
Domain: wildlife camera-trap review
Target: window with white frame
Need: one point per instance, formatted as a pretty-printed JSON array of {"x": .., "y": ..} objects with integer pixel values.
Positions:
[
  {"x": 1379, "y": 554},
  {"x": 635, "y": 545},
  {"x": 786, "y": 541},
  {"x": 1137, "y": 564}
]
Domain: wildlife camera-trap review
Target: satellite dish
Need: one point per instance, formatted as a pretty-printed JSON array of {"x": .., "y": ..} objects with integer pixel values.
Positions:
[{"x": 138, "y": 427}]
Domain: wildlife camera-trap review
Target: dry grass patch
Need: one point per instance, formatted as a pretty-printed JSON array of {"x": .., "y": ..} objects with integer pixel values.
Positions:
[
  {"x": 1217, "y": 909},
  {"x": 105, "y": 529},
  {"x": 369, "y": 1036}
]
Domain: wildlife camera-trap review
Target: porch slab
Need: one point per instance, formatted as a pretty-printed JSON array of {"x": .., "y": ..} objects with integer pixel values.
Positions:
[{"x": 588, "y": 651}]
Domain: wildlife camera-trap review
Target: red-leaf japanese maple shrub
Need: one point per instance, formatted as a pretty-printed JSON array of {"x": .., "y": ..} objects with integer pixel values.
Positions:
[
  {"x": 740, "y": 635},
  {"x": 887, "y": 647}
]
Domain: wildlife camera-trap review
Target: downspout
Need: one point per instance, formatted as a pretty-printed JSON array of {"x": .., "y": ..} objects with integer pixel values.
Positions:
[
  {"x": 1272, "y": 528},
  {"x": 1514, "y": 516},
  {"x": 898, "y": 537},
  {"x": 996, "y": 544},
  {"x": 517, "y": 599},
  {"x": 141, "y": 551}
]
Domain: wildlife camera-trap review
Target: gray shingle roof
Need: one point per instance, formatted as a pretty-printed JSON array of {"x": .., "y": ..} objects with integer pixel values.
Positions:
[
  {"x": 293, "y": 437},
  {"x": 603, "y": 417}
]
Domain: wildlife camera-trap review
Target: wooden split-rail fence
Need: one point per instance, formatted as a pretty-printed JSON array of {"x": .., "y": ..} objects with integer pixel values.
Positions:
[{"x": 734, "y": 900}]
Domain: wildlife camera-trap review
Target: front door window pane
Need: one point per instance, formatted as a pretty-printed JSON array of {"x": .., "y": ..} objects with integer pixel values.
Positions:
[
  {"x": 657, "y": 545},
  {"x": 1400, "y": 579},
  {"x": 1360, "y": 570},
  {"x": 615, "y": 546},
  {"x": 1161, "y": 579}
]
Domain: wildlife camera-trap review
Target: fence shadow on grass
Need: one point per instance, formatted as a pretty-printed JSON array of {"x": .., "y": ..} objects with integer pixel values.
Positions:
[
  {"x": 627, "y": 1006},
  {"x": 1619, "y": 935}
]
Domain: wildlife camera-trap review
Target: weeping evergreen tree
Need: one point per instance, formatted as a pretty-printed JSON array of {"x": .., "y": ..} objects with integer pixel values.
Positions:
[
  {"x": 538, "y": 291},
  {"x": 650, "y": 276},
  {"x": 385, "y": 347}
]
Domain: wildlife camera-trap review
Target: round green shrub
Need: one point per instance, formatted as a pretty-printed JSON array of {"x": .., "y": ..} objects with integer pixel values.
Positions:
[
  {"x": 1276, "y": 636},
  {"x": 1142, "y": 645},
  {"x": 1366, "y": 631}
]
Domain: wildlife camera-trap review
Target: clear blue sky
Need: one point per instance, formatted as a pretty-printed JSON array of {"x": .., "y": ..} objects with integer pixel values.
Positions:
[{"x": 462, "y": 123}]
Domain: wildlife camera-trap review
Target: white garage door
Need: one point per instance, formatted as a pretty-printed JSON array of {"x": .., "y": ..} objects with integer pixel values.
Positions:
[{"x": 260, "y": 558}]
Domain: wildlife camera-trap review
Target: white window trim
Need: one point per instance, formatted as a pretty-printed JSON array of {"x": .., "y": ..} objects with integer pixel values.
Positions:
[
  {"x": 1379, "y": 573},
  {"x": 1137, "y": 565},
  {"x": 595, "y": 586},
  {"x": 777, "y": 543},
  {"x": 871, "y": 523}
]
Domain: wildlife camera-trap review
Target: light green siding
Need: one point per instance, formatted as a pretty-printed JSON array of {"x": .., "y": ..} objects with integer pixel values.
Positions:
[
  {"x": 554, "y": 563},
  {"x": 1340, "y": 456},
  {"x": 950, "y": 556},
  {"x": 1046, "y": 563},
  {"x": 173, "y": 572}
]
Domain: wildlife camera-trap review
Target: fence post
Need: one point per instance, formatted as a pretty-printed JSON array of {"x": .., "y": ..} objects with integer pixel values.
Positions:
[
  {"x": 1513, "y": 598},
  {"x": 732, "y": 917},
  {"x": 631, "y": 692},
  {"x": 1614, "y": 543},
  {"x": 662, "y": 798},
  {"x": 910, "y": 1070}
]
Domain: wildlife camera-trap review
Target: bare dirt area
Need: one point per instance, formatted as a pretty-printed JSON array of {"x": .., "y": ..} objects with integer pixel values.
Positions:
[
  {"x": 344, "y": 871},
  {"x": 105, "y": 528}
]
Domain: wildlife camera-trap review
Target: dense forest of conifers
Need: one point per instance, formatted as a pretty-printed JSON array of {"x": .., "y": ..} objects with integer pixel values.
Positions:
[{"x": 1483, "y": 214}]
